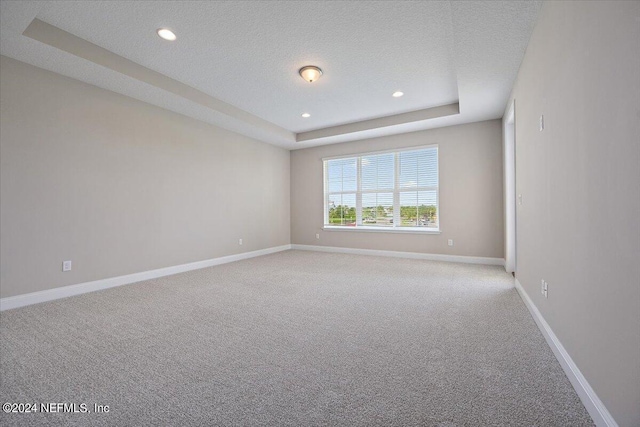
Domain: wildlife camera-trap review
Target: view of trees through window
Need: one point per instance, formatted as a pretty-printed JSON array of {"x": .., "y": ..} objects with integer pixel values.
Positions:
[
  {"x": 342, "y": 215},
  {"x": 388, "y": 190}
]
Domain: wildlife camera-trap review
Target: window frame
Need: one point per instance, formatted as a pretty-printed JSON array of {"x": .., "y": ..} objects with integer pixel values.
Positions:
[{"x": 396, "y": 194}]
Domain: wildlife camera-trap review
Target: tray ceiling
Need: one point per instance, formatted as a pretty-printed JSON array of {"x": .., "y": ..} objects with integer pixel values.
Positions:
[{"x": 234, "y": 64}]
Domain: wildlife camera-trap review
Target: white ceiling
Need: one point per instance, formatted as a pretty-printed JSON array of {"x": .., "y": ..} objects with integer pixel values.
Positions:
[{"x": 246, "y": 55}]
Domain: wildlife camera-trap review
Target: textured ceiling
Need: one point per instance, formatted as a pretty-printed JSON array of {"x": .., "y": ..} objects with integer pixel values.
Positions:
[{"x": 247, "y": 54}]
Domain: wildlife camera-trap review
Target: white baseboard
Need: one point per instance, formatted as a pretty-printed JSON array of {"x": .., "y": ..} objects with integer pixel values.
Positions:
[
  {"x": 82, "y": 288},
  {"x": 397, "y": 254},
  {"x": 599, "y": 413}
]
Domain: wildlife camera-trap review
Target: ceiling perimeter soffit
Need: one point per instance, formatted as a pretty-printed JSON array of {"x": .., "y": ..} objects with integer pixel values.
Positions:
[
  {"x": 268, "y": 131},
  {"x": 60, "y": 39},
  {"x": 381, "y": 122}
]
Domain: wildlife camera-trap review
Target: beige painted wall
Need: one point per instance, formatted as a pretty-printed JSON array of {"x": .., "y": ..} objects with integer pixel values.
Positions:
[
  {"x": 579, "y": 225},
  {"x": 119, "y": 186},
  {"x": 470, "y": 160}
]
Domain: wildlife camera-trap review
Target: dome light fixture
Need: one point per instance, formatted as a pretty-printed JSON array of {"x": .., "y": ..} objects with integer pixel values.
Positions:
[
  {"x": 166, "y": 34},
  {"x": 397, "y": 94},
  {"x": 310, "y": 73},
  {"x": 306, "y": 115}
]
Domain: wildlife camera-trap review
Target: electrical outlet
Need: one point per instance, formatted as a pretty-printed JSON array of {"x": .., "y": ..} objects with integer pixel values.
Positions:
[
  {"x": 544, "y": 288},
  {"x": 520, "y": 199},
  {"x": 66, "y": 265},
  {"x": 450, "y": 242},
  {"x": 317, "y": 235},
  {"x": 541, "y": 122},
  {"x": 240, "y": 242}
]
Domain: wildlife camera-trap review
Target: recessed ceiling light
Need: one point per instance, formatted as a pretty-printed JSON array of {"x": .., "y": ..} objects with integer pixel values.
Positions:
[
  {"x": 166, "y": 34},
  {"x": 397, "y": 94},
  {"x": 305, "y": 115},
  {"x": 310, "y": 73}
]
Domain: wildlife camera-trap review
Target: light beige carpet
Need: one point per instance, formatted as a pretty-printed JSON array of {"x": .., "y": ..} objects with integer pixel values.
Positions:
[{"x": 295, "y": 338}]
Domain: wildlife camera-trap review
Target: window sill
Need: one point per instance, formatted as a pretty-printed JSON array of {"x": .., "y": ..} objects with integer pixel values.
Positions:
[{"x": 365, "y": 229}]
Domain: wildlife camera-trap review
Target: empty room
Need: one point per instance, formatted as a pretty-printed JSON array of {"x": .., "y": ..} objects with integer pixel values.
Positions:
[{"x": 320, "y": 213}]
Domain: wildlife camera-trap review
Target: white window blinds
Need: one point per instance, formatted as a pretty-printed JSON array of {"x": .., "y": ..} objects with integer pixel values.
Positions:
[{"x": 390, "y": 190}]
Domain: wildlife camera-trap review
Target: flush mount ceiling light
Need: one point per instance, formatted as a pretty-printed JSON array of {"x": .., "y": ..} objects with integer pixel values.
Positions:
[
  {"x": 397, "y": 94},
  {"x": 310, "y": 73},
  {"x": 166, "y": 34},
  {"x": 305, "y": 115}
]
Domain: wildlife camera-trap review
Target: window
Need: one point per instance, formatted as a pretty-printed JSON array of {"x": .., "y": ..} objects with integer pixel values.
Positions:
[{"x": 392, "y": 191}]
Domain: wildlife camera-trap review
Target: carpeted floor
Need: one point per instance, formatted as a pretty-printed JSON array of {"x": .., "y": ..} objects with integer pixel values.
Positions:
[{"x": 295, "y": 338}]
